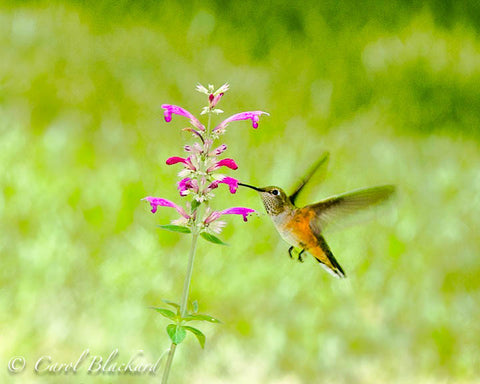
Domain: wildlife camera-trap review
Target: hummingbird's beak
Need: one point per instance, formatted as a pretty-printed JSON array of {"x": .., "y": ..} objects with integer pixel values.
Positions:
[{"x": 252, "y": 187}]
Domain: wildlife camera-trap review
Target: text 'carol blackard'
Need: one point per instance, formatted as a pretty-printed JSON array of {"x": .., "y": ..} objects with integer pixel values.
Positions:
[{"x": 137, "y": 364}]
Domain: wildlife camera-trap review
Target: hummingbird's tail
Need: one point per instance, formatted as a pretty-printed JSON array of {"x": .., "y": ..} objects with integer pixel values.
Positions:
[{"x": 326, "y": 259}]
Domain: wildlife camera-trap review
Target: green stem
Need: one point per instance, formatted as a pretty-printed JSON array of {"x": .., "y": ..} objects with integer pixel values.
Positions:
[
  {"x": 184, "y": 303},
  {"x": 208, "y": 125},
  {"x": 188, "y": 278},
  {"x": 168, "y": 365}
]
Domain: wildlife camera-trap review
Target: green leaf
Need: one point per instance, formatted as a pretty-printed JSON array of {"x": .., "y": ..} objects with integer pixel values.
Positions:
[
  {"x": 176, "y": 333},
  {"x": 200, "y": 336},
  {"x": 213, "y": 239},
  {"x": 195, "y": 306},
  {"x": 166, "y": 312},
  {"x": 173, "y": 304},
  {"x": 195, "y": 205},
  {"x": 175, "y": 228},
  {"x": 201, "y": 317}
]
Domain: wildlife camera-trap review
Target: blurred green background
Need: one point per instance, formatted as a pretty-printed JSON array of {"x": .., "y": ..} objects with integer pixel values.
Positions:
[{"x": 391, "y": 89}]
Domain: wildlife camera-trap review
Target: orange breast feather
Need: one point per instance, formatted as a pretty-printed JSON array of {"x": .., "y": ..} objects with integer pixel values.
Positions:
[{"x": 299, "y": 227}]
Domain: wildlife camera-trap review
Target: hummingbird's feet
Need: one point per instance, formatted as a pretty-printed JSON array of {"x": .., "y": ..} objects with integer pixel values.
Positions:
[
  {"x": 290, "y": 251},
  {"x": 300, "y": 256}
]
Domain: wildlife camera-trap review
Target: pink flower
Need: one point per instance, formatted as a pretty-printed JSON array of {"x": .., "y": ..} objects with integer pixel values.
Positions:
[
  {"x": 252, "y": 115},
  {"x": 229, "y": 163},
  {"x": 230, "y": 181},
  {"x": 218, "y": 151},
  {"x": 187, "y": 184},
  {"x": 187, "y": 162},
  {"x": 210, "y": 93},
  {"x": 238, "y": 211},
  {"x": 157, "y": 201},
  {"x": 195, "y": 148},
  {"x": 229, "y": 211},
  {"x": 214, "y": 99},
  {"x": 175, "y": 109}
]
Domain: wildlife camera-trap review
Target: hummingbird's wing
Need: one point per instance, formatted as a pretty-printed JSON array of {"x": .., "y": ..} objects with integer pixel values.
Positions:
[
  {"x": 322, "y": 161},
  {"x": 336, "y": 207}
]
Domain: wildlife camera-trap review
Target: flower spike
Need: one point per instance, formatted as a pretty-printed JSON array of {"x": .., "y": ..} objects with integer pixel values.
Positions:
[{"x": 198, "y": 178}]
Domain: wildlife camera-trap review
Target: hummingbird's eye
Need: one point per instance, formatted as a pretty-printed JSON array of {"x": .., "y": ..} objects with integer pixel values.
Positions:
[{"x": 275, "y": 192}]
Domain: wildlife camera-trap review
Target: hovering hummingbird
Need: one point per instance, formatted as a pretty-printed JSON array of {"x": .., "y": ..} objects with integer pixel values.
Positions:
[{"x": 302, "y": 227}]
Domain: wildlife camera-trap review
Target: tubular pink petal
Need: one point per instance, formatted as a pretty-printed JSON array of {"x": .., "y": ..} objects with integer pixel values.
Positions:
[
  {"x": 231, "y": 182},
  {"x": 170, "y": 108},
  {"x": 195, "y": 148},
  {"x": 255, "y": 120},
  {"x": 175, "y": 160},
  {"x": 189, "y": 164},
  {"x": 214, "y": 99},
  {"x": 219, "y": 150},
  {"x": 182, "y": 186},
  {"x": 229, "y": 211},
  {"x": 157, "y": 201},
  {"x": 197, "y": 124},
  {"x": 229, "y": 163},
  {"x": 186, "y": 184},
  {"x": 175, "y": 109},
  {"x": 193, "y": 184},
  {"x": 213, "y": 185},
  {"x": 252, "y": 115},
  {"x": 238, "y": 211},
  {"x": 212, "y": 217}
]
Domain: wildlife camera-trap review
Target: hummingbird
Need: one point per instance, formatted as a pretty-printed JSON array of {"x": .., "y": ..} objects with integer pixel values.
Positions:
[{"x": 302, "y": 228}]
